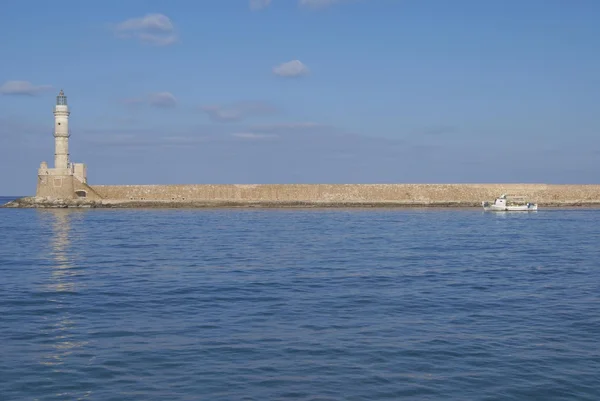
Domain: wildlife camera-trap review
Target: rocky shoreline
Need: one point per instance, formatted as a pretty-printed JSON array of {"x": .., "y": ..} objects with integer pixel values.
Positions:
[
  {"x": 35, "y": 202},
  {"x": 44, "y": 203}
]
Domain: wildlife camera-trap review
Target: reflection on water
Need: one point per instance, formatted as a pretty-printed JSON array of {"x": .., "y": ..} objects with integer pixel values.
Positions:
[
  {"x": 267, "y": 304},
  {"x": 64, "y": 274},
  {"x": 63, "y": 284},
  {"x": 61, "y": 228}
]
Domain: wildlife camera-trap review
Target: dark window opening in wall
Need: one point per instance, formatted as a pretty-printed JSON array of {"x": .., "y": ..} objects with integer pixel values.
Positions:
[{"x": 81, "y": 194}]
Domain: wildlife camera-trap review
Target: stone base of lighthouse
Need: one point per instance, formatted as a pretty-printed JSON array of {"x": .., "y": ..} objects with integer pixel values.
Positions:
[{"x": 69, "y": 183}]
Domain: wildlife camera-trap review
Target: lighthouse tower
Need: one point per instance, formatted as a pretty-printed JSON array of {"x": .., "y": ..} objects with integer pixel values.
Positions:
[
  {"x": 61, "y": 133},
  {"x": 66, "y": 180}
]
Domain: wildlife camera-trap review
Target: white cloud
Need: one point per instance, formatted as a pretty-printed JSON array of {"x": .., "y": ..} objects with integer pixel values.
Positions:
[
  {"x": 161, "y": 100},
  {"x": 238, "y": 111},
  {"x": 156, "y": 29},
  {"x": 23, "y": 88},
  {"x": 259, "y": 4},
  {"x": 294, "y": 68},
  {"x": 253, "y": 135}
]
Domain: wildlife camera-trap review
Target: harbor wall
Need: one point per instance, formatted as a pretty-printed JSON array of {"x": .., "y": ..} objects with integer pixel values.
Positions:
[{"x": 401, "y": 194}]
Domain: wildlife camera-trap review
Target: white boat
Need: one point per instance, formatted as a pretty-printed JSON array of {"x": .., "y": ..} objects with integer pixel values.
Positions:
[{"x": 507, "y": 203}]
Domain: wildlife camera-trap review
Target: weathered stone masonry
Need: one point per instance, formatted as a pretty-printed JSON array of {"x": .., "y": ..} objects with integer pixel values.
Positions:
[
  {"x": 407, "y": 194},
  {"x": 66, "y": 180},
  {"x": 66, "y": 185}
]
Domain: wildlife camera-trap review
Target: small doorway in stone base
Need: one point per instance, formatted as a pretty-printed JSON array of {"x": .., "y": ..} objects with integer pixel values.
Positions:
[{"x": 81, "y": 194}]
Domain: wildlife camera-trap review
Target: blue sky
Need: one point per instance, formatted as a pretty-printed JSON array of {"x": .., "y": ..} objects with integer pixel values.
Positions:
[{"x": 304, "y": 91}]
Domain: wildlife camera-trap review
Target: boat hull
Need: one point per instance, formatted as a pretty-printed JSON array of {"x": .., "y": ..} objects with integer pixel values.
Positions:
[{"x": 524, "y": 208}]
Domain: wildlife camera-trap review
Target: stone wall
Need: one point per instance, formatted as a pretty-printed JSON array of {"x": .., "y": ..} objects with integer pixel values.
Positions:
[
  {"x": 409, "y": 194},
  {"x": 80, "y": 188},
  {"x": 55, "y": 186},
  {"x": 63, "y": 184}
]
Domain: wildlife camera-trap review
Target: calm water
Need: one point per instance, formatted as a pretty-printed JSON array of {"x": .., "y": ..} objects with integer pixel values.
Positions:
[
  {"x": 303, "y": 305},
  {"x": 5, "y": 199}
]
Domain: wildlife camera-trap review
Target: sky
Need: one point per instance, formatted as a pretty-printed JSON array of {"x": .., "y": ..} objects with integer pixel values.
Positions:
[{"x": 303, "y": 91}]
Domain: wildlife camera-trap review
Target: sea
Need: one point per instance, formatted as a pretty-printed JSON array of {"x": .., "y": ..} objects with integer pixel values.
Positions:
[{"x": 303, "y": 304}]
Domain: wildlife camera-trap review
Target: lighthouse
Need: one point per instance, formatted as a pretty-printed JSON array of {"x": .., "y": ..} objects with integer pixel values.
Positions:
[
  {"x": 66, "y": 180},
  {"x": 61, "y": 132}
]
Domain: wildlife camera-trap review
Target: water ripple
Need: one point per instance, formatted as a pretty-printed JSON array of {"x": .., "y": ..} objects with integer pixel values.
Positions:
[{"x": 303, "y": 305}]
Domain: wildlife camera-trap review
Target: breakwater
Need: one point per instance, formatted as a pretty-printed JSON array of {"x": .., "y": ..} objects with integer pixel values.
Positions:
[{"x": 322, "y": 195}]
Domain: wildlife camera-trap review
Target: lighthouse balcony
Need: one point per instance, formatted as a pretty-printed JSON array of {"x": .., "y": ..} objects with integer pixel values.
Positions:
[{"x": 62, "y": 134}]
